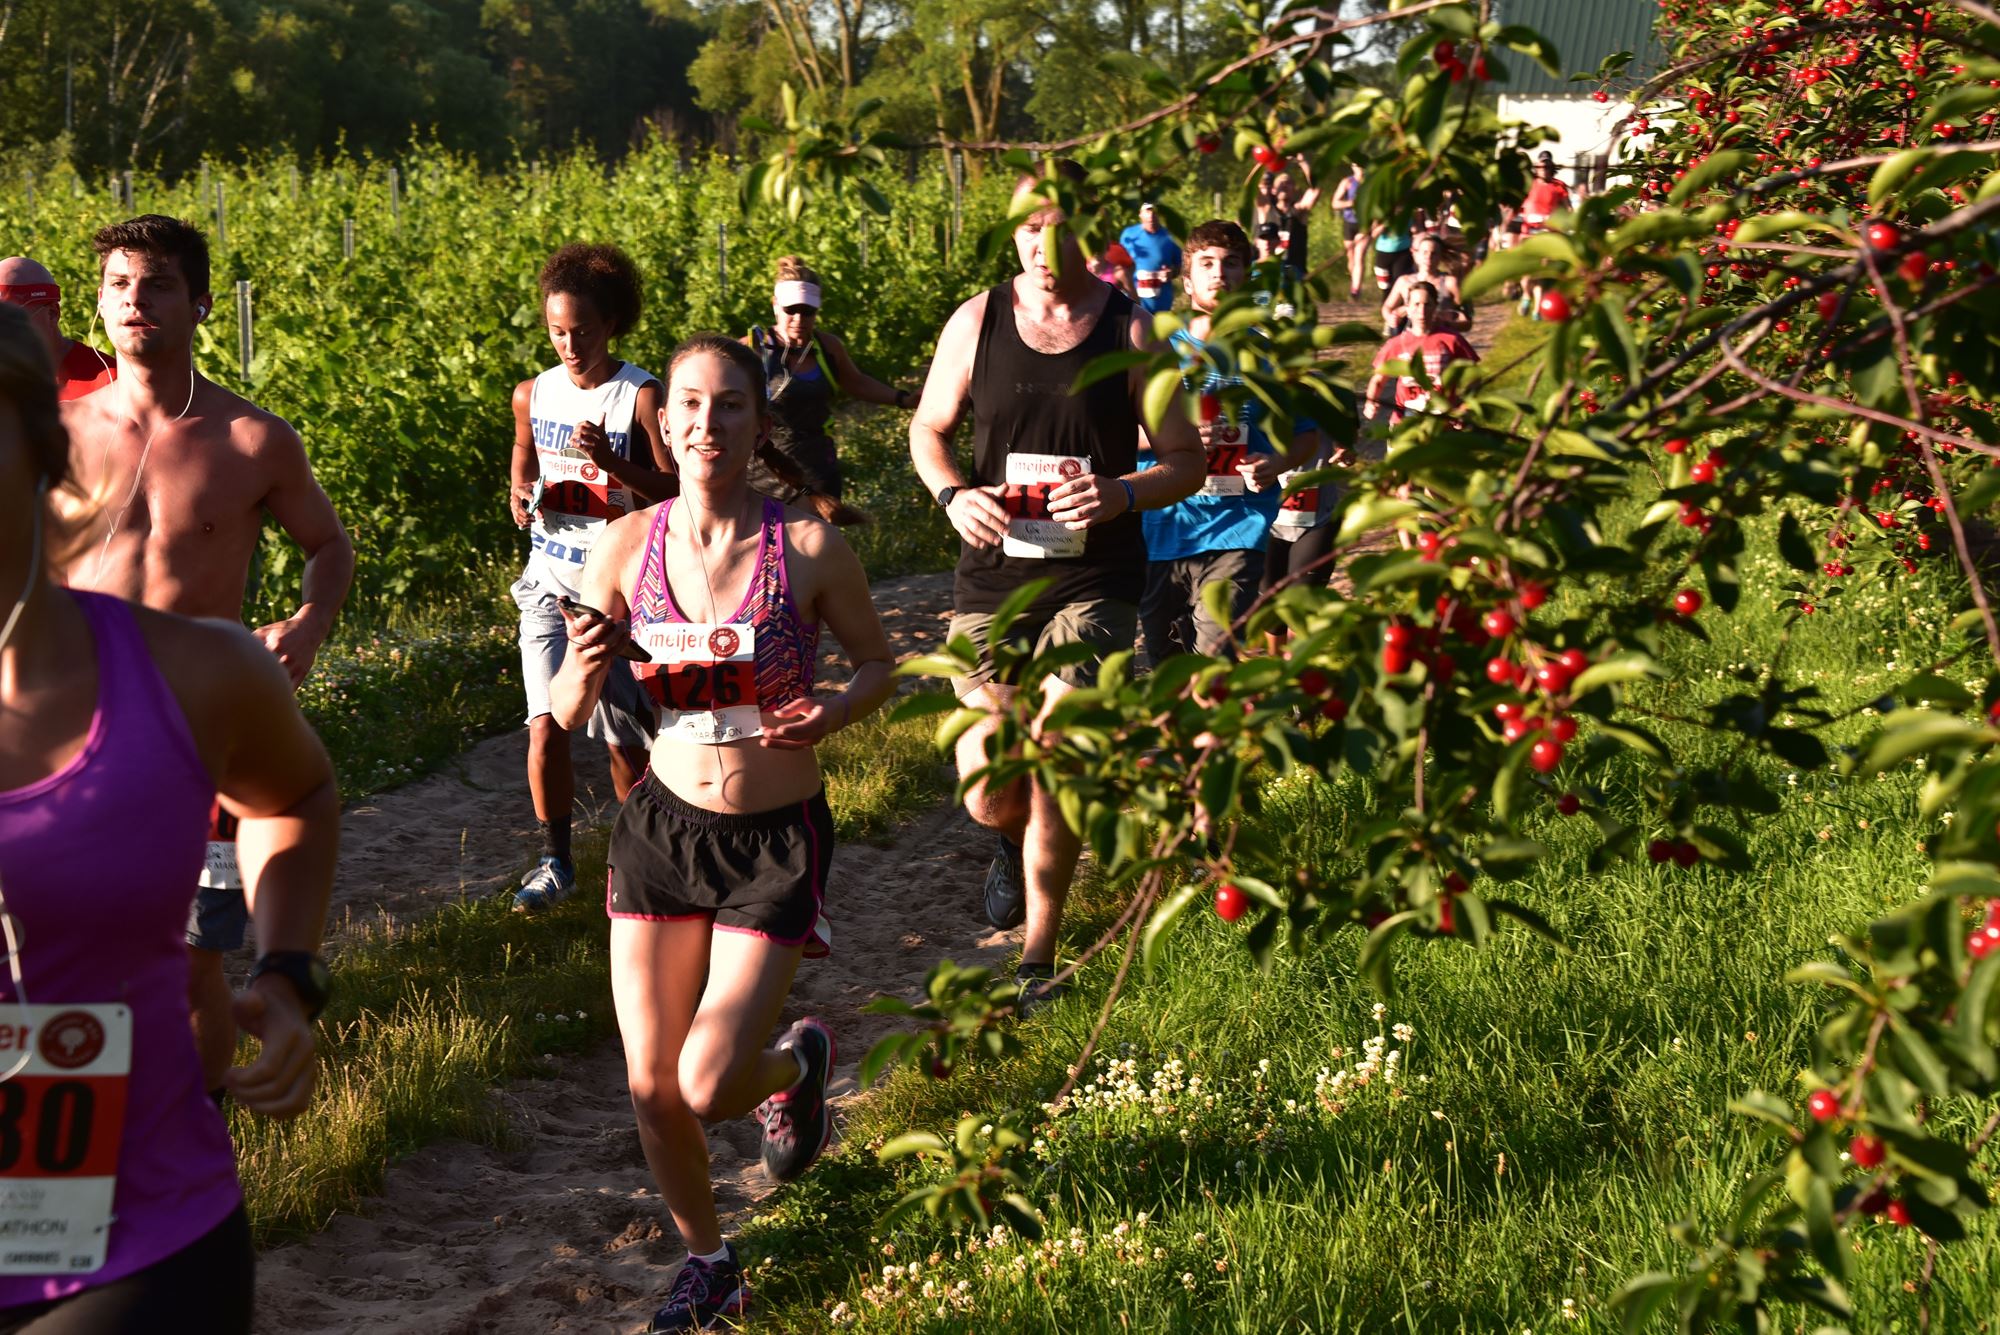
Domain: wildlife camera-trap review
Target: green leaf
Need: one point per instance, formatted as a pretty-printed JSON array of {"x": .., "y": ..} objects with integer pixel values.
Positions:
[
  {"x": 1912, "y": 732},
  {"x": 1163, "y": 921},
  {"x": 1765, "y": 1107},
  {"x": 925, "y": 1143},
  {"x": 1892, "y": 174},
  {"x": 1709, "y": 171},
  {"x": 1643, "y": 1298},
  {"x": 1161, "y": 391},
  {"x": 1108, "y": 365},
  {"x": 1615, "y": 671},
  {"x": 1374, "y": 960}
]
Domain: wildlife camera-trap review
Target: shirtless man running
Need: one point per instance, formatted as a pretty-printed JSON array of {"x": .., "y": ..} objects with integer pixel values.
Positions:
[{"x": 180, "y": 473}]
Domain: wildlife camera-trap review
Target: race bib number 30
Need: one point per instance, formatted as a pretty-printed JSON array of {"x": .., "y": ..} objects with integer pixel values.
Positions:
[
  {"x": 61, "y": 1119},
  {"x": 704, "y": 678},
  {"x": 1030, "y": 531},
  {"x": 1227, "y": 450}
]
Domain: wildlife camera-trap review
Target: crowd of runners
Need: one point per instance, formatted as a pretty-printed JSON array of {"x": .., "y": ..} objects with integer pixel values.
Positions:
[{"x": 159, "y": 787}]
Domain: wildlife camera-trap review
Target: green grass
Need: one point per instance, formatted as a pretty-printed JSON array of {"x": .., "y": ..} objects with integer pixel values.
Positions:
[
  {"x": 1557, "y": 1113},
  {"x": 427, "y": 1017}
]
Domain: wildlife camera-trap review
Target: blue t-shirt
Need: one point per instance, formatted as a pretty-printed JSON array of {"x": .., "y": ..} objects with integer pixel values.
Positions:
[
  {"x": 1151, "y": 251},
  {"x": 1232, "y": 521}
]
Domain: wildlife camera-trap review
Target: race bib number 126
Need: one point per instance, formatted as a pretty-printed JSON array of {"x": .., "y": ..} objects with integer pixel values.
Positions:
[
  {"x": 61, "y": 1120},
  {"x": 704, "y": 678}
]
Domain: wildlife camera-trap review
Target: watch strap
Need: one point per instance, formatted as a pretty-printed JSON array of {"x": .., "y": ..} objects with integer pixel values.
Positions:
[
  {"x": 944, "y": 497},
  {"x": 305, "y": 971}
]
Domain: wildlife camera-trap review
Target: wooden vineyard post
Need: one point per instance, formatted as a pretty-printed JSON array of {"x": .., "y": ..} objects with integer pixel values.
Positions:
[
  {"x": 722, "y": 258},
  {"x": 347, "y": 238},
  {"x": 246, "y": 341}
]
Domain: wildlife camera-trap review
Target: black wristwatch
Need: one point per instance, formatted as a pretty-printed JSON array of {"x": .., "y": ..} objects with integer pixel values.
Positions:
[
  {"x": 306, "y": 972},
  {"x": 904, "y": 399},
  {"x": 944, "y": 497}
]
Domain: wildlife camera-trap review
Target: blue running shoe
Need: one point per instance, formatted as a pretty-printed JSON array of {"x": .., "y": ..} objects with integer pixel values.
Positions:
[
  {"x": 797, "y": 1122},
  {"x": 550, "y": 883},
  {"x": 705, "y": 1294}
]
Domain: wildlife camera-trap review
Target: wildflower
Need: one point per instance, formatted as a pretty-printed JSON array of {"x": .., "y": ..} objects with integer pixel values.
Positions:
[{"x": 1187, "y": 1280}]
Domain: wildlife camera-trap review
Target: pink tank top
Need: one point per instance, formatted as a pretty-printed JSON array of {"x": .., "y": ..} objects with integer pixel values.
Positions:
[
  {"x": 98, "y": 864},
  {"x": 787, "y": 648}
]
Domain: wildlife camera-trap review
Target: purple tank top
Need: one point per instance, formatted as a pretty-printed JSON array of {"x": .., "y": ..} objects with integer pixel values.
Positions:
[
  {"x": 98, "y": 864},
  {"x": 787, "y": 648}
]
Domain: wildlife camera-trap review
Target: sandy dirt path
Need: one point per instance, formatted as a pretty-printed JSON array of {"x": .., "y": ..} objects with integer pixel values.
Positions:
[{"x": 564, "y": 1232}]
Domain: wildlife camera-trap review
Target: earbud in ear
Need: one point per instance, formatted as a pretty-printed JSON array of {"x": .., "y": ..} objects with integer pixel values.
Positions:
[{"x": 201, "y": 312}]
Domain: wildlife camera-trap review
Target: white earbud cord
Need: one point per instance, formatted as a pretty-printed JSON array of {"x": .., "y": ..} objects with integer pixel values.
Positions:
[
  {"x": 117, "y": 519},
  {"x": 8, "y": 927}
]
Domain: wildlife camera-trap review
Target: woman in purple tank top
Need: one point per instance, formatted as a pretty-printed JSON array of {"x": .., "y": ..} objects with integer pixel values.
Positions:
[
  {"x": 119, "y": 729},
  {"x": 720, "y": 855}
]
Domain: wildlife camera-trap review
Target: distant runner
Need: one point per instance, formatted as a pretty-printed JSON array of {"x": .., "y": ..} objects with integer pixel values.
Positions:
[
  {"x": 804, "y": 365},
  {"x": 1438, "y": 348},
  {"x": 1220, "y": 532},
  {"x": 1451, "y": 313},
  {"x": 1054, "y": 484},
  {"x": 719, "y": 859},
  {"x": 1293, "y": 198},
  {"x": 119, "y": 728},
  {"x": 1114, "y": 266},
  {"x": 587, "y": 449},
  {"x": 80, "y": 368},
  {"x": 1354, "y": 237},
  {"x": 182, "y": 473},
  {"x": 1156, "y": 259}
]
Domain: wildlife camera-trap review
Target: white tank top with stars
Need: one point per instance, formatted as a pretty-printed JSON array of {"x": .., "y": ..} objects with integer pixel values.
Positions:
[{"x": 577, "y": 497}]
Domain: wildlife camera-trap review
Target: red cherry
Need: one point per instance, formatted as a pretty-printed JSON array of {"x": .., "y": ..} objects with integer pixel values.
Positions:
[
  {"x": 1691, "y": 515},
  {"x": 1499, "y": 671},
  {"x": 1867, "y": 1151},
  {"x": 1515, "y": 729},
  {"x": 1444, "y": 667},
  {"x": 1267, "y": 157},
  {"x": 1914, "y": 267},
  {"x": 1208, "y": 143},
  {"x": 1823, "y": 1104},
  {"x": 1546, "y": 755},
  {"x": 1687, "y": 602},
  {"x": 1553, "y": 307},
  {"x": 1574, "y": 661},
  {"x": 1783, "y": 326},
  {"x": 1313, "y": 682},
  {"x": 1334, "y": 710},
  {"x": 1686, "y": 854},
  {"x": 1660, "y": 850},
  {"x": 1569, "y": 804},
  {"x": 1678, "y": 445},
  {"x": 1507, "y": 709},
  {"x": 1430, "y": 544},
  {"x": 1455, "y": 882},
  {"x": 1395, "y": 662},
  {"x": 1882, "y": 235},
  {"x": 1230, "y": 902},
  {"x": 1499, "y": 623},
  {"x": 1396, "y": 635},
  {"x": 1563, "y": 729},
  {"x": 940, "y": 1069},
  {"x": 1983, "y": 941},
  {"x": 1533, "y": 595},
  {"x": 1446, "y": 53},
  {"x": 1704, "y": 471},
  {"x": 1552, "y": 677},
  {"x": 1600, "y": 96},
  {"x": 1899, "y": 1214},
  {"x": 1446, "y": 922}
]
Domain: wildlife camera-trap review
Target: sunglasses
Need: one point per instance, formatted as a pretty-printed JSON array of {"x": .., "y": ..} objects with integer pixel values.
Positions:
[{"x": 801, "y": 310}]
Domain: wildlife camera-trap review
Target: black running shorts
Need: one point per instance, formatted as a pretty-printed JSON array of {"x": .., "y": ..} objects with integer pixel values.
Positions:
[{"x": 762, "y": 872}]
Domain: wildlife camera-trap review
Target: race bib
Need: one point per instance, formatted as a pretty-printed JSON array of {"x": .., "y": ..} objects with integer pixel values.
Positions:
[
  {"x": 1148, "y": 285},
  {"x": 61, "y": 1119},
  {"x": 1228, "y": 446},
  {"x": 1299, "y": 509},
  {"x": 576, "y": 493},
  {"x": 704, "y": 679},
  {"x": 218, "y": 870},
  {"x": 1030, "y": 480}
]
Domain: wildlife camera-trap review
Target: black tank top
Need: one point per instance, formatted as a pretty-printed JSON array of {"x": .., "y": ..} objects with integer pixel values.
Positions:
[{"x": 1022, "y": 404}]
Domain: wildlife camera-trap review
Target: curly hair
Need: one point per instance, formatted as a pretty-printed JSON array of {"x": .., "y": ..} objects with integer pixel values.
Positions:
[
  {"x": 157, "y": 234},
  {"x": 1222, "y": 234},
  {"x": 602, "y": 275}
]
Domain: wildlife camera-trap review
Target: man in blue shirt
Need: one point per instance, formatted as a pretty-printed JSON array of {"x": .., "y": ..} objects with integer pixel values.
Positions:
[
  {"x": 1220, "y": 532},
  {"x": 1156, "y": 259}
]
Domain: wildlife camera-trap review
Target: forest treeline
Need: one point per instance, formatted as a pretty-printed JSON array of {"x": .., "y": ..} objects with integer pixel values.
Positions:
[{"x": 161, "y": 84}]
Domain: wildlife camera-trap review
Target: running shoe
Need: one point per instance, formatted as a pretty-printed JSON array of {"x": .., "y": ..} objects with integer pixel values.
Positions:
[
  {"x": 797, "y": 1122},
  {"x": 547, "y": 885},
  {"x": 704, "y": 1293},
  {"x": 1038, "y": 987},
  {"x": 1006, "y": 887}
]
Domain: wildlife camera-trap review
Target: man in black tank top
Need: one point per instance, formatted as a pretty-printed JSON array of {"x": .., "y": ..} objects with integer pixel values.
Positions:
[{"x": 1053, "y": 494}]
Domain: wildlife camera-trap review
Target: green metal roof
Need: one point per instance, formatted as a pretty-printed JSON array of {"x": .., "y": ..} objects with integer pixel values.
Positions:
[{"x": 1583, "y": 32}]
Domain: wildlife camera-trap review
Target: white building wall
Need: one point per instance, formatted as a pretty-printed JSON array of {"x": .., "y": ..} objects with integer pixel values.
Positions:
[{"x": 1583, "y": 124}]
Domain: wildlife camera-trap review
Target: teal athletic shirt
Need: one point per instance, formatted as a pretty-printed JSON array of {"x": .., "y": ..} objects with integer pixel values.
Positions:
[{"x": 1218, "y": 523}]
